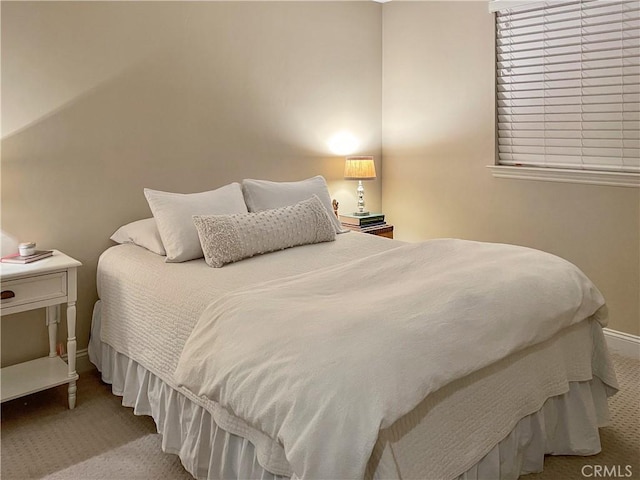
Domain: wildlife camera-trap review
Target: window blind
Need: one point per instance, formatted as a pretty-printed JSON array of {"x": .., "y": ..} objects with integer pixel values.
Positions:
[{"x": 568, "y": 85}]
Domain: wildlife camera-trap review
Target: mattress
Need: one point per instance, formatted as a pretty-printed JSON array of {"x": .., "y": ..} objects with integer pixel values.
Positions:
[
  {"x": 136, "y": 284},
  {"x": 148, "y": 309}
]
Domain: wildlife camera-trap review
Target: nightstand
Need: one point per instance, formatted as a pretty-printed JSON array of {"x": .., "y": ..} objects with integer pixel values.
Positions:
[
  {"x": 381, "y": 231},
  {"x": 46, "y": 283}
]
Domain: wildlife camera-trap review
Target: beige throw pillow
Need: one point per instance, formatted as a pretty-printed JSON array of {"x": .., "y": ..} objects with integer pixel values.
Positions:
[{"x": 229, "y": 238}]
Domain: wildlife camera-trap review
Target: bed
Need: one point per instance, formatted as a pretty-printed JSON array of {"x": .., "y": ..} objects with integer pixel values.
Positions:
[
  {"x": 350, "y": 355},
  {"x": 497, "y": 421}
]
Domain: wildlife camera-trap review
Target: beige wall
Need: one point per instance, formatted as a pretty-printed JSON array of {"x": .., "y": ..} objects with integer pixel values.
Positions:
[
  {"x": 438, "y": 135},
  {"x": 100, "y": 100}
]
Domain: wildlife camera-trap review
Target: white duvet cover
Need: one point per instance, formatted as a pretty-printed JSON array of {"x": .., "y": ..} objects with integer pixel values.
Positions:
[{"x": 321, "y": 361}]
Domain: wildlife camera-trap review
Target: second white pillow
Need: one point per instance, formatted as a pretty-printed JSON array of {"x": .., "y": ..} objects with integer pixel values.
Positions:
[
  {"x": 174, "y": 211},
  {"x": 265, "y": 194}
]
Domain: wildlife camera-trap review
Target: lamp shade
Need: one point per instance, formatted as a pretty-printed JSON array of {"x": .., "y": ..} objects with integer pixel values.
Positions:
[{"x": 359, "y": 168}]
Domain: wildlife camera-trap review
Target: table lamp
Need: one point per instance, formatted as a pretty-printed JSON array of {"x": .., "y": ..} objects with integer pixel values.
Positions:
[{"x": 360, "y": 168}]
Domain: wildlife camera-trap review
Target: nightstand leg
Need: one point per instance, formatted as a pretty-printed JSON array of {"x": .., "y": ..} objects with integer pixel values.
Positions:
[
  {"x": 53, "y": 317},
  {"x": 71, "y": 351}
]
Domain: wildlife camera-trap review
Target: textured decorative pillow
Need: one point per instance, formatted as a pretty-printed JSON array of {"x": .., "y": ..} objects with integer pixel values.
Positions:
[
  {"x": 174, "y": 211},
  {"x": 229, "y": 238},
  {"x": 265, "y": 195},
  {"x": 143, "y": 233}
]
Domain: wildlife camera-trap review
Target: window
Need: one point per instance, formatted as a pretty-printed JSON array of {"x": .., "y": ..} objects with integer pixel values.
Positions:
[{"x": 568, "y": 90}]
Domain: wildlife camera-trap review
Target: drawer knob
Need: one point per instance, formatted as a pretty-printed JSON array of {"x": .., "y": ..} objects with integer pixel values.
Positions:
[{"x": 7, "y": 294}]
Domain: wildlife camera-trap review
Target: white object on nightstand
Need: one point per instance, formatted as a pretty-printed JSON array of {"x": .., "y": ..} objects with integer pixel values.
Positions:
[
  {"x": 27, "y": 248},
  {"x": 46, "y": 284}
]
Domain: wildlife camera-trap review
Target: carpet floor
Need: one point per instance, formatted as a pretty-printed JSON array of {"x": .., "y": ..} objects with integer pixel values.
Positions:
[{"x": 101, "y": 440}]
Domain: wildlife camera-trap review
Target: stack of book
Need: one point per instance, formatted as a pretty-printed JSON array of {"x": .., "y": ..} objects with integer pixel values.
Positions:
[
  {"x": 362, "y": 223},
  {"x": 17, "y": 258}
]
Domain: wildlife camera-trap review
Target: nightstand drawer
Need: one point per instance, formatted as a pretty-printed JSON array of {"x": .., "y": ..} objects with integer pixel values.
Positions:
[
  {"x": 34, "y": 289},
  {"x": 386, "y": 232},
  {"x": 382, "y": 231}
]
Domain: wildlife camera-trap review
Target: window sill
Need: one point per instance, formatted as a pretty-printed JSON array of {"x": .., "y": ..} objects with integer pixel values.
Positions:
[{"x": 589, "y": 177}]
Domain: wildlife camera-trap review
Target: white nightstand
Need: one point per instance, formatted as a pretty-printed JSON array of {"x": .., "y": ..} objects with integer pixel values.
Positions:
[{"x": 43, "y": 284}]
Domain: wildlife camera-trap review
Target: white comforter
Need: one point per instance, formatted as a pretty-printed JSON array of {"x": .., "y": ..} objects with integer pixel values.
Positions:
[{"x": 322, "y": 361}]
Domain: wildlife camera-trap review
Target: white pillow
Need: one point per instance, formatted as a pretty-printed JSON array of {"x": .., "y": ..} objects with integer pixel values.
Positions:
[
  {"x": 143, "y": 233},
  {"x": 229, "y": 238},
  {"x": 174, "y": 211},
  {"x": 264, "y": 195}
]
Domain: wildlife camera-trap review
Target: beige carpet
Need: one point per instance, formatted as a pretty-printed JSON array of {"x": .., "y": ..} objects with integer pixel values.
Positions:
[
  {"x": 101, "y": 440},
  {"x": 41, "y": 436}
]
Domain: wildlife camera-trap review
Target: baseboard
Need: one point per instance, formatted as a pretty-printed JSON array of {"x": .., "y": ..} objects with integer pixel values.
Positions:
[
  {"x": 622, "y": 343},
  {"x": 83, "y": 364}
]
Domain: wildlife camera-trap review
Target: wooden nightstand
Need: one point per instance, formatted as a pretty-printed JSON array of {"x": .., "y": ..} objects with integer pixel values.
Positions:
[
  {"x": 46, "y": 284},
  {"x": 381, "y": 231}
]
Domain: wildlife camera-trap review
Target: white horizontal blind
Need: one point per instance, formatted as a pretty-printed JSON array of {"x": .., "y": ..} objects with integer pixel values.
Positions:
[{"x": 568, "y": 85}]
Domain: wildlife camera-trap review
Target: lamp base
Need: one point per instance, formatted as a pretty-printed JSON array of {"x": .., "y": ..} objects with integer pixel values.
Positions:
[{"x": 361, "y": 214}]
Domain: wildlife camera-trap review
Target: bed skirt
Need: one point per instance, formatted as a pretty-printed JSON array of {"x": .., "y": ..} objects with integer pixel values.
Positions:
[{"x": 566, "y": 425}]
